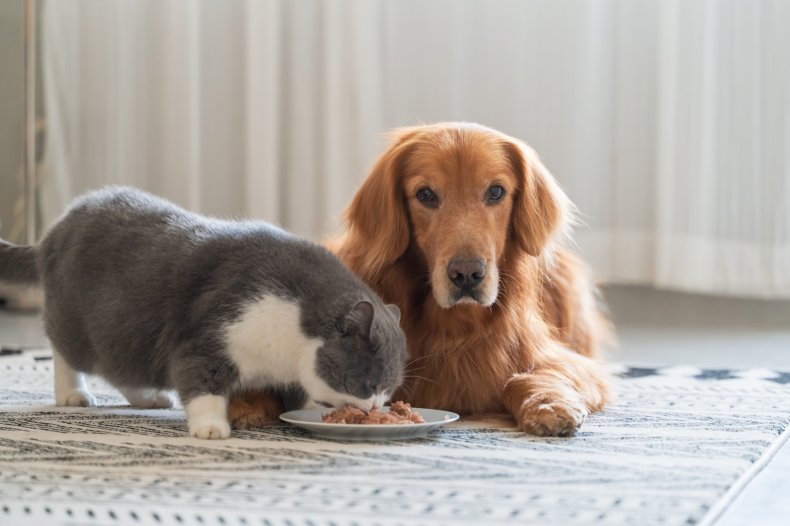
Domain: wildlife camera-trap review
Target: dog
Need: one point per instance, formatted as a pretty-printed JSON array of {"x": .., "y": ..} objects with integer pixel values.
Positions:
[{"x": 462, "y": 227}]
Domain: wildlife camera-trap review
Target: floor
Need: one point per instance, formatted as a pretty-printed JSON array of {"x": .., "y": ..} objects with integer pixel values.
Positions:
[{"x": 657, "y": 328}]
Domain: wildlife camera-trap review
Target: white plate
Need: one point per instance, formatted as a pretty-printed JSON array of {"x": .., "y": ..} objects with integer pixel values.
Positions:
[{"x": 310, "y": 419}]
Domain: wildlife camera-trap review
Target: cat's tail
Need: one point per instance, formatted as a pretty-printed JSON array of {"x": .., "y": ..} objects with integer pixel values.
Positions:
[{"x": 18, "y": 264}]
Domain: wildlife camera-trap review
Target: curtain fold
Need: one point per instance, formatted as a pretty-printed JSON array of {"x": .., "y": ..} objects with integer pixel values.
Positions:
[
  {"x": 667, "y": 122},
  {"x": 723, "y": 192}
]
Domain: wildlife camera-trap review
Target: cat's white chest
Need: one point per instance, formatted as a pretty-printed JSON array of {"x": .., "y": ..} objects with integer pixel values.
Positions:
[{"x": 266, "y": 342}]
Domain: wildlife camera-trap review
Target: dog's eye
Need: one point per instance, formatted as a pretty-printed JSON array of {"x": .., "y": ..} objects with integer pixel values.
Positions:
[
  {"x": 495, "y": 193},
  {"x": 427, "y": 197}
]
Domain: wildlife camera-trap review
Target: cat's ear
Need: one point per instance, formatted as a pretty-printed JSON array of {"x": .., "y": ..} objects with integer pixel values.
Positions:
[
  {"x": 360, "y": 319},
  {"x": 394, "y": 310}
]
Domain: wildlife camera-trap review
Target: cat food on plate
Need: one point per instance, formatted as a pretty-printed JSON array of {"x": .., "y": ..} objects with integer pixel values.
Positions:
[
  {"x": 399, "y": 422},
  {"x": 399, "y": 413}
]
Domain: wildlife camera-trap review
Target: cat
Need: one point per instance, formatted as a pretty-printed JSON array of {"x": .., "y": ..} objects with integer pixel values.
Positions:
[{"x": 152, "y": 298}]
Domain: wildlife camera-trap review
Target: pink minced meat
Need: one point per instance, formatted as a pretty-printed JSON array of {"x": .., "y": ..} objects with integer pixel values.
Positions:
[{"x": 399, "y": 413}]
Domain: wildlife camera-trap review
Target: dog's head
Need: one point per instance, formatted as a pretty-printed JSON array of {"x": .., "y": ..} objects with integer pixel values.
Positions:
[{"x": 463, "y": 196}]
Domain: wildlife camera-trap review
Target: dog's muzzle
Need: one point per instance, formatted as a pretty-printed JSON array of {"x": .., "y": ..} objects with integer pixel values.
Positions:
[{"x": 466, "y": 275}]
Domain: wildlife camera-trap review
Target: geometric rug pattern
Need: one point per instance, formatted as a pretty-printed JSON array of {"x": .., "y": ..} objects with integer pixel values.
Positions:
[{"x": 674, "y": 449}]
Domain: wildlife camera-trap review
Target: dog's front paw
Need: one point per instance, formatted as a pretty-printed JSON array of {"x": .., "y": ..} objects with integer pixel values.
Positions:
[
  {"x": 543, "y": 416},
  {"x": 253, "y": 409},
  {"x": 209, "y": 428},
  {"x": 252, "y": 420}
]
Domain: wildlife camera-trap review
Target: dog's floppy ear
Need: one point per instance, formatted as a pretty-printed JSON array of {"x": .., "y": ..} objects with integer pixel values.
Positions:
[
  {"x": 542, "y": 213},
  {"x": 376, "y": 217}
]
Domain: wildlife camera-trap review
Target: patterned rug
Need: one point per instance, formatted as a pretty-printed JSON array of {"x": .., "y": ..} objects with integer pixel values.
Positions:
[{"x": 676, "y": 449}]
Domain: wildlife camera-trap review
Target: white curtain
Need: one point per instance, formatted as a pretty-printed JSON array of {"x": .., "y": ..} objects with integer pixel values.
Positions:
[
  {"x": 259, "y": 108},
  {"x": 667, "y": 122}
]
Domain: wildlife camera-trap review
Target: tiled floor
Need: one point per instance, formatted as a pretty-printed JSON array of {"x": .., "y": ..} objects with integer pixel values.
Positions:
[{"x": 658, "y": 328}]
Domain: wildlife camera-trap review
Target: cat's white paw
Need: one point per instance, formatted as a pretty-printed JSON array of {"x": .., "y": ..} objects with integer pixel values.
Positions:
[
  {"x": 78, "y": 398},
  {"x": 148, "y": 398},
  {"x": 207, "y": 416},
  {"x": 209, "y": 428},
  {"x": 162, "y": 401},
  {"x": 155, "y": 401}
]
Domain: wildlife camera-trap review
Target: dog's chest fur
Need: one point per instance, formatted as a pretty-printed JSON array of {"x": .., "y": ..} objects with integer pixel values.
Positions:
[{"x": 462, "y": 370}]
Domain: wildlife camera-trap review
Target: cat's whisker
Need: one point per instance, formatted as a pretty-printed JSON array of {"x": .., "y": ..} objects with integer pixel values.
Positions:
[
  {"x": 423, "y": 357},
  {"x": 421, "y": 378},
  {"x": 408, "y": 390}
]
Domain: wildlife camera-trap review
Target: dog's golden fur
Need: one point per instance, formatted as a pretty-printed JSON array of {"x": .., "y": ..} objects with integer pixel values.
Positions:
[{"x": 526, "y": 342}]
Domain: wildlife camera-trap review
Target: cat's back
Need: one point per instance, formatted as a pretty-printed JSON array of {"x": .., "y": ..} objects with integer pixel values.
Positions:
[
  {"x": 114, "y": 214},
  {"x": 252, "y": 260},
  {"x": 122, "y": 231},
  {"x": 296, "y": 262}
]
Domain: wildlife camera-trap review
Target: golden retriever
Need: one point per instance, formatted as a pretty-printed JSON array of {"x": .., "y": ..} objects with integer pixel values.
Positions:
[{"x": 461, "y": 227}]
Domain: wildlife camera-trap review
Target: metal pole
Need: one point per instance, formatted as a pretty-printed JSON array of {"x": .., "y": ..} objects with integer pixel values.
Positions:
[{"x": 30, "y": 121}]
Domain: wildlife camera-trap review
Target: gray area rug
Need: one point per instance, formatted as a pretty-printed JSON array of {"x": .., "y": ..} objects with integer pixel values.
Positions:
[{"x": 675, "y": 449}]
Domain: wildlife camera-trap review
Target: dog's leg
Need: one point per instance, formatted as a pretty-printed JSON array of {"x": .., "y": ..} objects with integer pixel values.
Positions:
[
  {"x": 251, "y": 409},
  {"x": 572, "y": 305},
  {"x": 554, "y": 398}
]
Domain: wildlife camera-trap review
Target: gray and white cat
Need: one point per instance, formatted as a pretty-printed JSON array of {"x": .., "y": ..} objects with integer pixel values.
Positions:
[{"x": 152, "y": 298}]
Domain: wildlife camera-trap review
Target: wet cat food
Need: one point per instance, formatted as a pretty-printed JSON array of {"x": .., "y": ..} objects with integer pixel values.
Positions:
[{"x": 399, "y": 413}]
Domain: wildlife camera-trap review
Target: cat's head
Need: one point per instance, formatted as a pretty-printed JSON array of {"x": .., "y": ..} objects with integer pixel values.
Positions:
[{"x": 362, "y": 361}]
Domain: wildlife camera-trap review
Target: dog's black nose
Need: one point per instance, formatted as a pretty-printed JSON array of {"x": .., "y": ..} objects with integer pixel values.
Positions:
[{"x": 466, "y": 273}]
